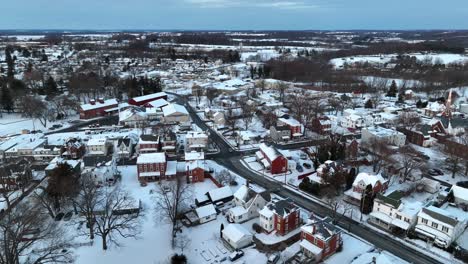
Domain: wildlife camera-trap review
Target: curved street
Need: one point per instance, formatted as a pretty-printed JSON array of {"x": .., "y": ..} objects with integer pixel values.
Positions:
[{"x": 231, "y": 159}]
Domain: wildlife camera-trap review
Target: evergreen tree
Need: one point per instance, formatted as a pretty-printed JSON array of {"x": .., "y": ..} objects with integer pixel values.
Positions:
[
  {"x": 6, "y": 99},
  {"x": 392, "y": 92},
  {"x": 369, "y": 104},
  {"x": 50, "y": 87},
  {"x": 419, "y": 103},
  {"x": 10, "y": 63}
]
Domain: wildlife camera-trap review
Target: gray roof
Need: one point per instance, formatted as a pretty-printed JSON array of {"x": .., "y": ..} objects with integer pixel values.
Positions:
[{"x": 440, "y": 217}]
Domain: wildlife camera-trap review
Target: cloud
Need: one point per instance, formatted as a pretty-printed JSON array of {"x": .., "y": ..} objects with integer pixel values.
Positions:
[{"x": 286, "y": 5}]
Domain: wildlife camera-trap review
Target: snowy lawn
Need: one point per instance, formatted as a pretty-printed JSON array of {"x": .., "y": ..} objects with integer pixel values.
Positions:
[{"x": 14, "y": 123}]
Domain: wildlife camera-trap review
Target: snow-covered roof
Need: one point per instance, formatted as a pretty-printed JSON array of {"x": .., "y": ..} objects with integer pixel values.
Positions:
[
  {"x": 270, "y": 152},
  {"x": 238, "y": 211},
  {"x": 151, "y": 158},
  {"x": 205, "y": 211},
  {"x": 97, "y": 142},
  {"x": 97, "y": 104},
  {"x": 174, "y": 108},
  {"x": 236, "y": 232},
  {"x": 149, "y": 97},
  {"x": 266, "y": 212},
  {"x": 290, "y": 121},
  {"x": 369, "y": 179},
  {"x": 460, "y": 192},
  {"x": 158, "y": 103},
  {"x": 220, "y": 193},
  {"x": 194, "y": 155},
  {"x": 310, "y": 247}
]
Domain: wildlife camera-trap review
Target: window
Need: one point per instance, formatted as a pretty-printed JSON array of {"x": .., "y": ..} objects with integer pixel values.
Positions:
[
  {"x": 398, "y": 216},
  {"x": 445, "y": 229},
  {"x": 424, "y": 221},
  {"x": 407, "y": 220},
  {"x": 434, "y": 225}
]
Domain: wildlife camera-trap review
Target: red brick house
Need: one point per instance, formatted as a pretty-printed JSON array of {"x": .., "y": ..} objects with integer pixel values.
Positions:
[
  {"x": 281, "y": 216},
  {"x": 272, "y": 159},
  {"x": 142, "y": 100},
  {"x": 148, "y": 144},
  {"x": 294, "y": 125},
  {"x": 321, "y": 125},
  {"x": 151, "y": 166},
  {"x": 97, "y": 108},
  {"x": 73, "y": 149},
  {"x": 195, "y": 171},
  {"x": 320, "y": 239}
]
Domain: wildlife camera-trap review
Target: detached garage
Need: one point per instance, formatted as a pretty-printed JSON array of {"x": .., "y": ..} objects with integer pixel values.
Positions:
[
  {"x": 237, "y": 236},
  {"x": 206, "y": 213}
]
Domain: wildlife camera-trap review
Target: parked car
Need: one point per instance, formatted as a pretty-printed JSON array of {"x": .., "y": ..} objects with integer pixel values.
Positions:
[
  {"x": 273, "y": 259},
  {"x": 299, "y": 168},
  {"x": 236, "y": 255},
  {"x": 67, "y": 216},
  {"x": 59, "y": 216},
  {"x": 307, "y": 165}
]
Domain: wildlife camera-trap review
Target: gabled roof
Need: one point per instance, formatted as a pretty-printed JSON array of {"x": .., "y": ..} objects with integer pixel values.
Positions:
[
  {"x": 97, "y": 105},
  {"x": 393, "y": 198},
  {"x": 282, "y": 207},
  {"x": 439, "y": 214},
  {"x": 149, "y": 97}
]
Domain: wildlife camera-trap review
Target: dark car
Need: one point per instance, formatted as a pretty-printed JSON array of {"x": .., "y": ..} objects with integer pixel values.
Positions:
[
  {"x": 59, "y": 216},
  {"x": 299, "y": 168},
  {"x": 236, "y": 255},
  {"x": 67, "y": 216},
  {"x": 307, "y": 165}
]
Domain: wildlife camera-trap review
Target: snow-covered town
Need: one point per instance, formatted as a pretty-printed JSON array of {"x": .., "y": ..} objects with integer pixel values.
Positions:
[{"x": 233, "y": 147}]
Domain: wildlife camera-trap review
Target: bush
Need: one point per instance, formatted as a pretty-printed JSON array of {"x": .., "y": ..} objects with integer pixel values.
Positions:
[
  {"x": 178, "y": 259},
  {"x": 257, "y": 228}
]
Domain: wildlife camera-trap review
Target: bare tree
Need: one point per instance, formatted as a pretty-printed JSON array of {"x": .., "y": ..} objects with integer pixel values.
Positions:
[
  {"x": 171, "y": 200},
  {"x": 409, "y": 161},
  {"x": 248, "y": 111},
  {"x": 231, "y": 120},
  {"x": 88, "y": 200},
  {"x": 34, "y": 107},
  {"x": 409, "y": 120},
  {"x": 225, "y": 177},
  {"x": 379, "y": 152},
  {"x": 211, "y": 94},
  {"x": 27, "y": 235},
  {"x": 282, "y": 87},
  {"x": 112, "y": 220},
  {"x": 338, "y": 207}
]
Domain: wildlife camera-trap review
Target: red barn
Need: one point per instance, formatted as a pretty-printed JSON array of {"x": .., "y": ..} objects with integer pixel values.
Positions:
[
  {"x": 97, "y": 108},
  {"x": 142, "y": 100},
  {"x": 272, "y": 159},
  {"x": 320, "y": 239}
]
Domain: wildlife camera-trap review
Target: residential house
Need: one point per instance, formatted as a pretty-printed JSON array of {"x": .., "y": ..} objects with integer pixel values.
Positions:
[
  {"x": 206, "y": 213},
  {"x": 97, "y": 147},
  {"x": 175, "y": 114},
  {"x": 362, "y": 183},
  {"x": 73, "y": 149},
  {"x": 281, "y": 216},
  {"x": 96, "y": 108},
  {"x": 421, "y": 136},
  {"x": 168, "y": 143},
  {"x": 390, "y": 136},
  {"x": 248, "y": 202},
  {"x": 195, "y": 166},
  {"x": 124, "y": 147},
  {"x": 320, "y": 239},
  {"x": 321, "y": 125},
  {"x": 220, "y": 195},
  {"x": 460, "y": 195},
  {"x": 133, "y": 117},
  {"x": 219, "y": 119},
  {"x": 237, "y": 236},
  {"x": 148, "y": 144},
  {"x": 294, "y": 125},
  {"x": 197, "y": 141},
  {"x": 439, "y": 225},
  {"x": 272, "y": 159},
  {"x": 151, "y": 166},
  {"x": 392, "y": 213},
  {"x": 280, "y": 133}
]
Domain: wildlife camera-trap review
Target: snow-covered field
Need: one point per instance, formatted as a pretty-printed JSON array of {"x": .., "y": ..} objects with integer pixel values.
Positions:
[
  {"x": 385, "y": 58},
  {"x": 14, "y": 123}
]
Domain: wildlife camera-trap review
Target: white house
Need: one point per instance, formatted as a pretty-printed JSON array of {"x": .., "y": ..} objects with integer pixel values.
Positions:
[
  {"x": 460, "y": 195},
  {"x": 248, "y": 203},
  {"x": 97, "y": 146},
  {"x": 393, "y": 213},
  {"x": 267, "y": 219},
  {"x": 174, "y": 113},
  {"x": 390, "y": 136},
  {"x": 196, "y": 141},
  {"x": 206, "y": 213},
  {"x": 439, "y": 225},
  {"x": 362, "y": 181},
  {"x": 237, "y": 236}
]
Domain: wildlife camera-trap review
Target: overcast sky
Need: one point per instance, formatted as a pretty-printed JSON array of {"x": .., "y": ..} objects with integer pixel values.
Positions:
[{"x": 234, "y": 14}]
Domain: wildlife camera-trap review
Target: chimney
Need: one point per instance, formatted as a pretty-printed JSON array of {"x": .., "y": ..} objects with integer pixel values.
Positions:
[
  {"x": 92, "y": 101},
  {"x": 101, "y": 100}
]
